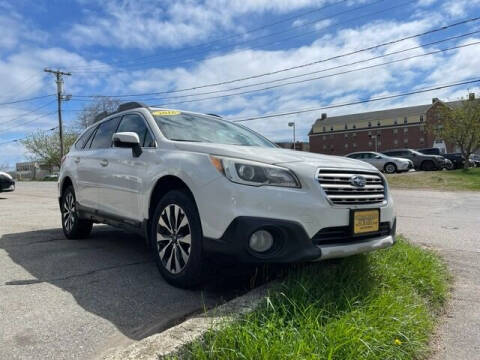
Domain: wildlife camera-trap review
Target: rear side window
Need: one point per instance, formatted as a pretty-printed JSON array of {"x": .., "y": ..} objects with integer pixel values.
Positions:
[
  {"x": 104, "y": 134},
  {"x": 135, "y": 123},
  {"x": 80, "y": 144}
]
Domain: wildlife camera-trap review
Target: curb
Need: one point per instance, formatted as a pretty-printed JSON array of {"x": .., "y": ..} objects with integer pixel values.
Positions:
[{"x": 171, "y": 341}]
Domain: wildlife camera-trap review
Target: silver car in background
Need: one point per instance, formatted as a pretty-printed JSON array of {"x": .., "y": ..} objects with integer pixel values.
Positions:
[{"x": 383, "y": 162}]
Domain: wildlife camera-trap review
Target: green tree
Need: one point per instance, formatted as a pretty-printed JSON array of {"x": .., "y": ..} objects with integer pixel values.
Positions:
[
  {"x": 460, "y": 125},
  {"x": 44, "y": 146},
  {"x": 97, "y": 106}
]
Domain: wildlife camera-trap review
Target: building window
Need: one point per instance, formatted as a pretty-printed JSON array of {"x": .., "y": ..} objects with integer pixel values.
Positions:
[
  {"x": 369, "y": 143},
  {"x": 354, "y": 145},
  {"x": 346, "y": 136},
  {"x": 422, "y": 140},
  {"x": 354, "y": 134},
  {"x": 324, "y": 137},
  {"x": 395, "y": 131},
  {"x": 331, "y": 147},
  {"x": 378, "y": 123},
  {"x": 379, "y": 143},
  {"x": 405, "y": 141},
  {"x": 324, "y": 129},
  {"x": 405, "y": 130},
  {"x": 395, "y": 142},
  {"x": 422, "y": 129},
  {"x": 369, "y": 124},
  {"x": 354, "y": 126},
  {"x": 346, "y": 126},
  {"x": 405, "y": 120},
  {"x": 395, "y": 122},
  {"x": 421, "y": 118},
  {"x": 324, "y": 147},
  {"x": 331, "y": 128},
  {"x": 346, "y": 146},
  {"x": 369, "y": 133}
]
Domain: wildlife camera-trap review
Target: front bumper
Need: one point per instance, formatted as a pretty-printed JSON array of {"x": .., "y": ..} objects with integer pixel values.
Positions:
[{"x": 292, "y": 244}]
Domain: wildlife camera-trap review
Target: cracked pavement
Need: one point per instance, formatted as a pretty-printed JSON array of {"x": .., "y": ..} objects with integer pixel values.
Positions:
[
  {"x": 66, "y": 299},
  {"x": 75, "y": 299}
]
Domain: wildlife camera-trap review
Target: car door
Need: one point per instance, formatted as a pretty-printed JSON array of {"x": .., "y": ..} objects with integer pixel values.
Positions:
[
  {"x": 93, "y": 170},
  {"x": 376, "y": 160},
  {"x": 122, "y": 193}
]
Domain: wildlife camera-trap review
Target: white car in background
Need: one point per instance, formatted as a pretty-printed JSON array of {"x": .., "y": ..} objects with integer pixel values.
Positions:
[
  {"x": 197, "y": 186},
  {"x": 383, "y": 162}
]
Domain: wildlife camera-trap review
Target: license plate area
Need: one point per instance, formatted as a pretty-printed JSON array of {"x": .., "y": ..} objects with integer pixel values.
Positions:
[{"x": 365, "y": 221}]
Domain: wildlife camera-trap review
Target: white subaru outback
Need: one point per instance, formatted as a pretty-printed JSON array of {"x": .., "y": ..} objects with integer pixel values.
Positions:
[{"x": 197, "y": 186}]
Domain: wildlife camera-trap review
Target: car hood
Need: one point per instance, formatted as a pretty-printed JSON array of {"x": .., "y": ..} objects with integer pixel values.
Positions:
[{"x": 275, "y": 156}]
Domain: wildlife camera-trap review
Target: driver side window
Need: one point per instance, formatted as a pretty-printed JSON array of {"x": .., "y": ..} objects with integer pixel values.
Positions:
[{"x": 135, "y": 123}]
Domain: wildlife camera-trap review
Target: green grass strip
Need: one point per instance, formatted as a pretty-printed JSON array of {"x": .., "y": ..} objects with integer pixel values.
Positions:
[
  {"x": 454, "y": 180},
  {"x": 382, "y": 305}
]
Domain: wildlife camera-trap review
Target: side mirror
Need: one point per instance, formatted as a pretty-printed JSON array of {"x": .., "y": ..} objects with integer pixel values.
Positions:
[
  {"x": 378, "y": 157},
  {"x": 128, "y": 140}
]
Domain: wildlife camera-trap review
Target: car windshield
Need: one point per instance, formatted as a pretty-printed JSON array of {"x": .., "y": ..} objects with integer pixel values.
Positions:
[{"x": 180, "y": 126}]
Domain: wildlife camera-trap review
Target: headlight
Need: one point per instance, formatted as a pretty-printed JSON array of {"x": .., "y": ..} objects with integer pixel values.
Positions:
[{"x": 254, "y": 173}]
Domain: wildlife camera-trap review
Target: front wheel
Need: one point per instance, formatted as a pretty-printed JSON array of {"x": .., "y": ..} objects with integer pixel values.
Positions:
[
  {"x": 176, "y": 236},
  {"x": 390, "y": 168},
  {"x": 450, "y": 166},
  {"x": 73, "y": 226}
]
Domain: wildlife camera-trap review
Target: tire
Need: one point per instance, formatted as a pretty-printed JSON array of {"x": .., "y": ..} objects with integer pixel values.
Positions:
[
  {"x": 176, "y": 239},
  {"x": 73, "y": 226},
  {"x": 390, "y": 168},
  {"x": 450, "y": 166},
  {"x": 428, "y": 165}
]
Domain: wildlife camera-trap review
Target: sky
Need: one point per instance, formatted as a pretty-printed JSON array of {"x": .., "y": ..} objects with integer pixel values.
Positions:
[{"x": 126, "y": 48}]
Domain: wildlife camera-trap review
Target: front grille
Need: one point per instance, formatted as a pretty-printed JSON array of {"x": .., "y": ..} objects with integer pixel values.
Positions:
[
  {"x": 339, "y": 189},
  {"x": 343, "y": 234}
]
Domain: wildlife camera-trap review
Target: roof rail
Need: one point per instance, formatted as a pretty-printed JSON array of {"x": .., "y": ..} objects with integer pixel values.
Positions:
[
  {"x": 100, "y": 116},
  {"x": 130, "y": 105},
  {"x": 216, "y": 115}
]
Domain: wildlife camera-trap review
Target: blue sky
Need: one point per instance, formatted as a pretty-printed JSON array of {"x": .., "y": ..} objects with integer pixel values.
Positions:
[{"x": 117, "y": 47}]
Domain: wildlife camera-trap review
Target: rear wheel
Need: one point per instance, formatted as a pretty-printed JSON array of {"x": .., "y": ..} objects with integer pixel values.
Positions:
[
  {"x": 73, "y": 226},
  {"x": 428, "y": 165},
  {"x": 176, "y": 236},
  {"x": 390, "y": 168},
  {"x": 450, "y": 166}
]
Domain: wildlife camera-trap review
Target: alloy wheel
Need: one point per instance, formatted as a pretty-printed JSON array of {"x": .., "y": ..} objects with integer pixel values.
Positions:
[
  {"x": 390, "y": 169},
  {"x": 173, "y": 238},
  {"x": 69, "y": 212}
]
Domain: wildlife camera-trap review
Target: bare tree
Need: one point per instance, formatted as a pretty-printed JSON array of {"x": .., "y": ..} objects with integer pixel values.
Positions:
[
  {"x": 97, "y": 106},
  {"x": 4, "y": 167},
  {"x": 460, "y": 125},
  {"x": 44, "y": 146}
]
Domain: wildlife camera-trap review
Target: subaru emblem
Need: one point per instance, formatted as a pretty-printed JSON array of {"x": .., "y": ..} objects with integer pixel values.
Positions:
[{"x": 358, "y": 181}]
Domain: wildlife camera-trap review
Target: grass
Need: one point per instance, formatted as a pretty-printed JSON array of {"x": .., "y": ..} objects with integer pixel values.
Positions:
[
  {"x": 438, "y": 180},
  {"x": 377, "y": 306}
]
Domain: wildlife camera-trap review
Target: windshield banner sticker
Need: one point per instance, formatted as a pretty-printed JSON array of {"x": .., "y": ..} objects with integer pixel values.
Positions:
[{"x": 166, "y": 112}]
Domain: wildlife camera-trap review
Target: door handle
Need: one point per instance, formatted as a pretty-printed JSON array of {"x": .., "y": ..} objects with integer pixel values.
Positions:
[
  {"x": 104, "y": 162},
  {"x": 77, "y": 160}
]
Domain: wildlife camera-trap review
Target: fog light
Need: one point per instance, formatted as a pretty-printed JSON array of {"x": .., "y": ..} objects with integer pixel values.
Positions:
[{"x": 261, "y": 241}]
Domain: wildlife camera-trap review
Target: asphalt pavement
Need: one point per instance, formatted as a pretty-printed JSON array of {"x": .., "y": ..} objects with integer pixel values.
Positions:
[
  {"x": 450, "y": 223},
  {"x": 74, "y": 299},
  {"x": 66, "y": 299}
]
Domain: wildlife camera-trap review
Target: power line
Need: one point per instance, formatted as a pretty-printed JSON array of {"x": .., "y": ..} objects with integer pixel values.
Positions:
[
  {"x": 211, "y": 42},
  {"x": 27, "y": 99},
  {"x": 297, "y": 66},
  {"x": 324, "y": 76},
  {"x": 27, "y": 113},
  {"x": 424, "y": 90},
  {"x": 278, "y": 41},
  {"x": 27, "y": 122},
  {"x": 20, "y": 139}
]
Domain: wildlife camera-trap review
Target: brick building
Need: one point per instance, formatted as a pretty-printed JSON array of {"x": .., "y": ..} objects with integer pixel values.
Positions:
[{"x": 398, "y": 128}]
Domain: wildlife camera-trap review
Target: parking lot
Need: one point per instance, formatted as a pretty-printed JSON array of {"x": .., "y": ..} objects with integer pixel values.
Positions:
[{"x": 75, "y": 299}]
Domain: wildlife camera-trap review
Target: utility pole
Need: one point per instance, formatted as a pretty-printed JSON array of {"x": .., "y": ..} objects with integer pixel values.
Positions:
[
  {"x": 292, "y": 124},
  {"x": 59, "y": 80}
]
